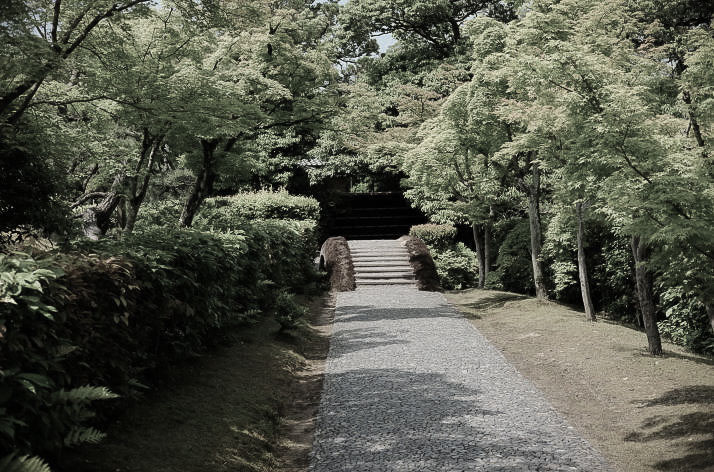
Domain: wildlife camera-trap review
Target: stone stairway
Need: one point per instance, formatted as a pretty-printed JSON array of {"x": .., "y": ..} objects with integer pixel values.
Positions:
[{"x": 381, "y": 262}]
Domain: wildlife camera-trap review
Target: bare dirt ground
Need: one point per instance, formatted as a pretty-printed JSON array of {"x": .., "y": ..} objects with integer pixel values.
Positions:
[
  {"x": 643, "y": 413},
  {"x": 298, "y": 425},
  {"x": 248, "y": 407}
]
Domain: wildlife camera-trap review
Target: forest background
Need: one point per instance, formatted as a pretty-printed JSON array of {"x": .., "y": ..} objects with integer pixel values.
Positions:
[{"x": 574, "y": 137}]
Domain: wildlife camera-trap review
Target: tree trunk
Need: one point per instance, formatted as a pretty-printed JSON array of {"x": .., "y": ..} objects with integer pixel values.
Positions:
[
  {"x": 487, "y": 248},
  {"x": 202, "y": 186},
  {"x": 643, "y": 277},
  {"x": 582, "y": 266},
  {"x": 535, "y": 228},
  {"x": 709, "y": 306},
  {"x": 96, "y": 219},
  {"x": 693, "y": 119},
  {"x": 480, "y": 255},
  {"x": 139, "y": 187}
]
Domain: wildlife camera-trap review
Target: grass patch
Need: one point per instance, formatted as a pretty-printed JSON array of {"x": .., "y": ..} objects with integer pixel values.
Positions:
[
  {"x": 225, "y": 411},
  {"x": 644, "y": 413}
]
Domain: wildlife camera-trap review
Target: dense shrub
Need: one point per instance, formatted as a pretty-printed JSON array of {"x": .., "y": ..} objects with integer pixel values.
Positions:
[
  {"x": 41, "y": 410},
  {"x": 514, "y": 271},
  {"x": 457, "y": 267},
  {"x": 287, "y": 311},
  {"x": 261, "y": 205},
  {"x": 283, "y": 250},
  {"x": 686, "y": 323},
  {"x": 159, "y": 213},
  {"x": 435, "y": 236},
  {"x": 112, "y": 313},
  {"x": 611, "y": 271},
  {"x": 32, "y": 190}
]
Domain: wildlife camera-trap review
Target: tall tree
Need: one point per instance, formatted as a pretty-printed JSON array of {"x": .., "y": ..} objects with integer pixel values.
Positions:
[
  {"x": 281, "y": 70},
  {"x": 435, "y": 24},
  {"x": 40, "y": 37}
]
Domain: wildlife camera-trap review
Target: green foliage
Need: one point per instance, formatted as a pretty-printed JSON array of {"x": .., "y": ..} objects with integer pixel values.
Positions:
[
  {"x": 37, "y": 414},
  {"x": 438, "y": 237},
  {"x": 432, "y": 24},
  {"x": 457, "y": 266},
  {"x": 31, "y": 191},
  {"x": 611, "y": 274},
  {"x": 160, "y": 213},
  {"x": 260, "y": 205},
  {"x": 15, "y": 463},
  {"x": 288, "y": 312},
  {"x": 116, "y": 313},
  {"x": 686, "y": 321},
  {"x": 281, "y": 251},
  {"x": 514, "y": 272}
]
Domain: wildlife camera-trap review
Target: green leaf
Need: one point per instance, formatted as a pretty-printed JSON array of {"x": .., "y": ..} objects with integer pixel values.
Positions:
[
  {"x": 37, "y": 379},
  {"x": 15, "y": 463}
]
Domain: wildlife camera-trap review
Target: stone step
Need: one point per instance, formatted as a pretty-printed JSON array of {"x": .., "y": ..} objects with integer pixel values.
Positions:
[
  {"x": 379, "y": 253},
  {"x": 403, "y": 258},
  {"x": 370, "y": 244},
  {"x": 405, "y": 269},
  {"x": 396, "y": 264},
  {"x": 400, "y": 260},
  {"x": 369, "y": 236},
  {"x": 379, "y": 249},
  {"x": 384, "y": 275},
  {"x": 386, "y": 282}
]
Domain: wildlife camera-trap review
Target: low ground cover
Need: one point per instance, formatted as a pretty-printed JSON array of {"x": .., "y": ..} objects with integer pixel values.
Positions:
[
  {"x": 247, "y": 407},
  {"x": 643, "y": 412}
]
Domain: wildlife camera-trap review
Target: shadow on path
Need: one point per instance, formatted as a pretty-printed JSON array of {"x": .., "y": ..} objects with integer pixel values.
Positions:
[
  {"x": 390, "y": 419},
  {"x": 353, "y": 340},
  {"x": 370, "y": 313}
]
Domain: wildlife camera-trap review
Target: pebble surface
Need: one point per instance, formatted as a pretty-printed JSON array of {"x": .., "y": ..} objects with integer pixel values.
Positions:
[{"x": 411, "y": 385}]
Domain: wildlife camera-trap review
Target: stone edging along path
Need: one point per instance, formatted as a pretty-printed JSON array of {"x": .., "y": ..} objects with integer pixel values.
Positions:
[{"x": 410, "y": 385}]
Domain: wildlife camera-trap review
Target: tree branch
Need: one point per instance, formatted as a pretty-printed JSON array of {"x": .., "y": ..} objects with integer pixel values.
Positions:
[
  {"x": 55, "y": 22},
  {"x": 89, "y": 196}
]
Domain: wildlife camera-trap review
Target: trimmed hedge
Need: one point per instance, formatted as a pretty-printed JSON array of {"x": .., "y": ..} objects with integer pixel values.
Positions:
[
  {"x": 435, "y": 236},
  {"x": 423, "y": 264},
  {"x": 457, "y": 267},
  {"x": 261, "y": 205},
  {"x": 113, "y": 313},
  {"x": 336, "y": 259}
]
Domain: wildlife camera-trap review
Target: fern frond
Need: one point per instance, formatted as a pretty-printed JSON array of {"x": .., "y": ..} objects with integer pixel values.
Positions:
[
  {"x": 13, "y": 463},
  {"x": 85, "y": 394},
  {"x": 81, "y": 435},
  {"x": 65, "y": 349}
]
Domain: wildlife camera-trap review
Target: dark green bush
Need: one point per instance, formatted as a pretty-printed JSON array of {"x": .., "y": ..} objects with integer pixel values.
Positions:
[
  {"x": 457, "y": 267},
  {"x": 282, "y": 250},
  {"x": 514, "y": 271},
  {"x": 456, "y": 264},
  {"x": 687, "y": 322},
  {"x": 287, "y": 311},
  {"x": 159, "y": 213},
  {"x": 611, "y": 271},
  {"x": 261, "y": 205},
  {"x": 435, "y": 236},
  {"x": 114, "y": 313}
]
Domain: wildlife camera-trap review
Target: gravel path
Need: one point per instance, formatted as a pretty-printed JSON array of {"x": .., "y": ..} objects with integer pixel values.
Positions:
[{"x": 411, "y": 385}]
